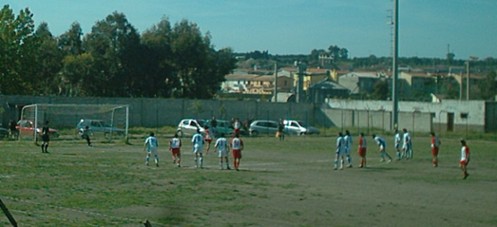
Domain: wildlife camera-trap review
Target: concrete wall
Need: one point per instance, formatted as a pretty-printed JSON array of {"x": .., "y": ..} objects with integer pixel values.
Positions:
[
  {"x": 364, "y": 120},
  {"x": 448, "y": 115},
  {"x": 155, "y": 112},
  {"x": 416, "y": 116}
]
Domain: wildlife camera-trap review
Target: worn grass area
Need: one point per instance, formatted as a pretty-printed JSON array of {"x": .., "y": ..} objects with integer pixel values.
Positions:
[{"x": 288, "y": 183}]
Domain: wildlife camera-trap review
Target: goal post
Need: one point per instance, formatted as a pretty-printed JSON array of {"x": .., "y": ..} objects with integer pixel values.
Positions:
[{"x": 64, "y": 119}]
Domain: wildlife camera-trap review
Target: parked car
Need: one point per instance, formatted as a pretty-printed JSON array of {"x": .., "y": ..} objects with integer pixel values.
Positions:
[
  {"x": 188, "y": 127},
  {"x": 99, "y": 127},
  {"x": 4, "y": 133},
  {"x": 222, "y": 126},
  {"x": 258, "y": 127},
  {"x": 294, "y": 127},
  {"x": 26, "y": 128}
]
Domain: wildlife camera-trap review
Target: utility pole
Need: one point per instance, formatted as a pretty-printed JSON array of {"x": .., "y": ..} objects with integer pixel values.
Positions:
[
  {"x": 275, "y": 82},
  {"x": 300, "y": 83},
  {"x": 395, "y": 66},
  {"x": 467, "y": 80}
]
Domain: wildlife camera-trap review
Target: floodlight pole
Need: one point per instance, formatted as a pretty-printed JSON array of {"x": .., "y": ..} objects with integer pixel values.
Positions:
[{"x": 395, "y": 66}]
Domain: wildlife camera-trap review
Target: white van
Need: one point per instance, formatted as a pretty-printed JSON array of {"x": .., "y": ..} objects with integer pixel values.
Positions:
[{"x": 293, "y": 127}]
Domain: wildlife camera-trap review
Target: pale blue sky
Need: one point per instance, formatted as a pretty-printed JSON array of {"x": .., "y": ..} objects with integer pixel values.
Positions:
[{"x": 426, "y": 27}]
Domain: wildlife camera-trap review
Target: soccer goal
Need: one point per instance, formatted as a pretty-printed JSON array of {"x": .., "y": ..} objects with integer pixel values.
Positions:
[{"x": 66, "y": 120}]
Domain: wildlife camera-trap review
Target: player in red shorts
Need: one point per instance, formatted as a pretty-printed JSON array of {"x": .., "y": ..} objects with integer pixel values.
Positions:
[
  {"x": 236, "y": 145},
  {"x": 174, "y": 147},
  {"x": 463, "y": 163},
  {"x": 435, "y": 145},
  {"x": 361, "y": 150},
  {"x": 207, "y": 139}
]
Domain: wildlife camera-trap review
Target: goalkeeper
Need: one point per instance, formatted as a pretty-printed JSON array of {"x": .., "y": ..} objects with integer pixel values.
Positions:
[{"x": 85, "y": 134}]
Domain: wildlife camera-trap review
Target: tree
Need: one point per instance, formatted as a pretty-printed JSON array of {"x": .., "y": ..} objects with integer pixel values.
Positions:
[
  {"x": 17, "y": 51},
  {"x": 488, "y": 86},
  {"x": 380, "y": 90},
  {"x": 160, "y": 64},
  {"x": 48, "y": 58},
  {"x": 115, "y": 47}
]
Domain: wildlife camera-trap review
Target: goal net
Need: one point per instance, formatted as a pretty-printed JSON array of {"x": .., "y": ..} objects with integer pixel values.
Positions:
[{"x": 66, "y": 120}]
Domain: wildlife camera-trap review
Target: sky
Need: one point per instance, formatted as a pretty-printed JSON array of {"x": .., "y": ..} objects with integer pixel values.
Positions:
[{"x": 427, "y": 28}]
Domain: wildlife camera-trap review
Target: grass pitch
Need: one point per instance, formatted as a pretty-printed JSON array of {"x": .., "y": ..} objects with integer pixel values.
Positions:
[{"x": 281, "y": 183}]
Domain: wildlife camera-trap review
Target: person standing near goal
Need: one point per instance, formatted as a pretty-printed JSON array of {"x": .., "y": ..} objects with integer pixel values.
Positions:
[
  {"x": 151, "y": 146},
  {"x": 222, "y": 149},
  {"x": 382, "y": 148},
  {"x": 236, "y": 145},
  {"x": 85, "y": 134},
  {"x": 198, "y": 146},
  {"x": 45, "y": 137},
  {"x": 175, "y": 148}
]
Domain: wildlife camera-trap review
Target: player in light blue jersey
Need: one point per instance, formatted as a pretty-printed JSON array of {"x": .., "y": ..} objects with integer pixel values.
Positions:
[
  {"x": 339, "y": 152},
  {"x": 348, "y": 146},
  {"x": 198, "y": 144},
  {"x": 397, "y": 139},
  {"x": 222, "y": 148},
  {"x": 382, "y": 145},
  {"x": 407, "y": 146},
  {"x": 151, "y": 146}
]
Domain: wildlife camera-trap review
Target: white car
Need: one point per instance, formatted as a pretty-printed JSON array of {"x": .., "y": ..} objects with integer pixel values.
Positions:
[
  {"x": 190, "y": 126},
  {"x": 294, "y": 127}
]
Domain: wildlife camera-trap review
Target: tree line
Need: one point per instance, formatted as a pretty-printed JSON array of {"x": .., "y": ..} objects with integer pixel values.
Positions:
[{"x": 113, "y": 60}]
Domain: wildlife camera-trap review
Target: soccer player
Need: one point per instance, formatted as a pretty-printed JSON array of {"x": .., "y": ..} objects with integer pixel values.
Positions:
[
  {"x": 85, "y": 134},
  {"x": 339, "y": 152},
  {"x": 222, "y": 150},
  {"x": 463, "y": 163},
  {"x": 397, "y": 140},
  {"x": 361, "y": 150},
  {"x": 382, "y": 145},
  {"x": 236, "y": 145},
  {"x": 198, "y": 145},
  {"x": 175, "y": 148},
  {"x": 208, "y": 139},
  {"x": 348, "y": 146},
  {"x": 45, "y": 137},
  {"x": 407, "y": 145},
  {"x": 150, "y": 146},
  {"x": 435, "y": 145}
]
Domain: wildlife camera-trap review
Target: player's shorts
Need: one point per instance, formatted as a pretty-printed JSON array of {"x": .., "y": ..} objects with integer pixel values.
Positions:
[
  {"x": 347, "y": 151},
  {"x": 362, "y": 151},
  {"x": 45, "y": 138},
  {"x": 434, "y": 151},
  {"x": 175, "y": 151},
  {"x": 237, "y": 154},
  {"x": 208, "y": 140},
  {"x": 464, "y": 162},
  {"x": 222, "y": 153},
  {"x": 152, "y": 150},
  {"x": 197, "y": 149}
]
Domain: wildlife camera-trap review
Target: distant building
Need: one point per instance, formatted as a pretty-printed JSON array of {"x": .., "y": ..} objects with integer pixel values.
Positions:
[
  {"x": 359, "y": 82},
  {"x": 325, "y": 89}
]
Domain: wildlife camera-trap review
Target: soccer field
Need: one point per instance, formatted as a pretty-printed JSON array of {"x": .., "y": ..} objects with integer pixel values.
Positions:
[{"x": 281, "y": 183}]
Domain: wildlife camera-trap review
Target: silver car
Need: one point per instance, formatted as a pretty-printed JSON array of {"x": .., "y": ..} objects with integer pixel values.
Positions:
[
  {"x": 188, "y": 127},
  {"x": 259, "y": 127}
]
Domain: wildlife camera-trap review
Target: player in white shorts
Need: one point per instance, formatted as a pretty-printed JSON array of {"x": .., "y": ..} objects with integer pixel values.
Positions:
[
  {"x": 348, "y": 145},
  {"x": 382, "y": 145},
  {"x": 397, "y": 141},
  {"x": 198, "y": 145},
  {"x": 222, "y": 148},
  {"x": 339, "y": 152},
  {"x": 407, "y": 146},
  {"x": 151, "y": 145}
]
